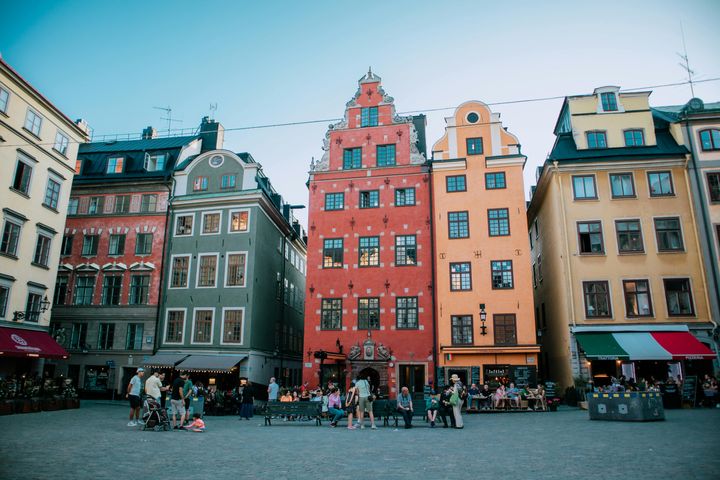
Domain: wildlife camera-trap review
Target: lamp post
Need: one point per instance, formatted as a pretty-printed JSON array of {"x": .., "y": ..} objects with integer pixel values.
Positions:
[
  {"x": 286, "y": 209},
  {"x": 29, "y": 314}
]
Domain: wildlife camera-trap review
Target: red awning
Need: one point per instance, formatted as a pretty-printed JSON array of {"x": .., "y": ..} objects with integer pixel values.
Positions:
[
  {"x": 16, "y": 342},
  {"x": 683, "y": 345}
]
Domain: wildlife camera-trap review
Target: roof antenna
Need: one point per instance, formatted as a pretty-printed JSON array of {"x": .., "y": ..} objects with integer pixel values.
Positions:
[
  {"x": 212, "y": 110},
  {"x": 685, "y": 64},
  {"x": 370, "y": 75},
  {"x": 168, "y": 117}
]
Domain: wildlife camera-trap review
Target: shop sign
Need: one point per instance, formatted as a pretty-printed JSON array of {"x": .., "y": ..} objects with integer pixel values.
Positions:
[{"x": 607, "y": 357}]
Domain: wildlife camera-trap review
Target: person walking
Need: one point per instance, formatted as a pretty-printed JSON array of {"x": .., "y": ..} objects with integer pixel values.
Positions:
[
  {"x": 405, "y": 406},
  {"x": 445, "y": 407},
  {"x": 177, "y": 399},
  {"x": 365, "y": 396},
  {"x": 248, "y": 398},
  {"x": 273, "y": 390},
  {"x": 134, "y": 389},
  {"x": 457, "y": 405},
  {"x": 187, "y": 393},
  {"x": 351, "y": 404}
]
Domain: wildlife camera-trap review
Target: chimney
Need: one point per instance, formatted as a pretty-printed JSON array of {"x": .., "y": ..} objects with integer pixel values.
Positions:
[
  {"x": 83, "y": 125},
  {"x": 149, "y": 133},
  {"x": 212, "y": 134}
]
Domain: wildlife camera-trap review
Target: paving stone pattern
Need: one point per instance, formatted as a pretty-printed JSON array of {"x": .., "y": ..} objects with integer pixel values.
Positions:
[{"x": 94, "y": 442}]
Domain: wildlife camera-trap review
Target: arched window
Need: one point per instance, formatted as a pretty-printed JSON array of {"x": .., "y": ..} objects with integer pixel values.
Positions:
[{"x": 710, "y": 139}]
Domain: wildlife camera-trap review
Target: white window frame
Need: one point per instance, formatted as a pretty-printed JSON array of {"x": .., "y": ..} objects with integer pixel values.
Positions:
[
  {"x": 177, "y": 219},
  {"x": 202, "y": 226},
  {"x": 217, "y": 269},
  {"x": 39, "y": 125},
  {"x": 227, "y": 263},
  {"x": 63, "y": 145},
  {"x": 3, "y": 88},
  {"x": 116, "y": 158},
  {"x": 242, "y": 326},
  {"x": 212, "y": 325},
  {"x": 172, "y": 259},
  {"x": 149, "y": 157},
  {"x": 238, "y": 210},
  {"x": 182, "y": 336}
]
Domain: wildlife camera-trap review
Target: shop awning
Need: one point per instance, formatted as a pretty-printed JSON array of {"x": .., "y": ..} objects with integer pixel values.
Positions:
[
  {"x": 164, "y": 360},
  {"x": 18, "y": 342},
  {"x": 683, "y": 345},
  {"x": 340, "y": 357},
  {"x": 664, "y": 345},
  {"x": 210, "y": 363},
  {"x": 601, "y": 346}
]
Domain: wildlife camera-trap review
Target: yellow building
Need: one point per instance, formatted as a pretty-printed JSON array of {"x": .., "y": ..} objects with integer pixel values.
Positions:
[
  {"x": 619, "y": 282},
  {"x": 483, "y": 290},
  {"x": 38, "y": 149}
]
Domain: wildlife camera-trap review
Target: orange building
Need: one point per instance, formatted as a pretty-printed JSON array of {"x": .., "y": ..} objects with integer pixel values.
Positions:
[{"x": 483, "y": 280}]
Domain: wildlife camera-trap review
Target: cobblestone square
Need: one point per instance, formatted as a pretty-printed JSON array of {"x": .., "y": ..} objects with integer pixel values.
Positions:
[{"x": 94, "y": 442}]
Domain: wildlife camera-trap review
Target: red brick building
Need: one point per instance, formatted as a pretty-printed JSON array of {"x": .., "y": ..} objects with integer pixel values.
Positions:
[
  {"x": 108, "y": 285},
  {"x": 369, "y": 277}
]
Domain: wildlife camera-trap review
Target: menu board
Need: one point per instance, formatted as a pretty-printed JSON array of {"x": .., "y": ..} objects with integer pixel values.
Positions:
[
  {"x": 524, "y": 375},
  {"x": 475, "y": 375},
  {"x": 689, "y": 389}
]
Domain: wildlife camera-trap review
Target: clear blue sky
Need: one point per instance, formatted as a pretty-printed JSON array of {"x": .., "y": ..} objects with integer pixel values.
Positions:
[{"x": 268, "y": 62}]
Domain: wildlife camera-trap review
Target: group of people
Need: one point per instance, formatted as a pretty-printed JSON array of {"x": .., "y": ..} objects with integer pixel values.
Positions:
[
  {"x": 505, "y": 397},
  {"x": 181, "y": 391}
]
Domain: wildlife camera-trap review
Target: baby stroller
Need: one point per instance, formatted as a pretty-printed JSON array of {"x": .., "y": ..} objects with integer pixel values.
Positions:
[{"x": 155, "y": 417}]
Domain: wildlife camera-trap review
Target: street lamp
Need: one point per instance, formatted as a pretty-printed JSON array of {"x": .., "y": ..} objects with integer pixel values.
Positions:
[
  {"x": 19, "y": 315},
  {"x": 286, "y": 209},
  {"x": 483, "y": 317}
]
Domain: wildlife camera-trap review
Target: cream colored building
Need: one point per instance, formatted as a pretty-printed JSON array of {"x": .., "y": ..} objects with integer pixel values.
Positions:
[
  {"x": 38, "y": 149},
  {"x": 618, "y": 278}
]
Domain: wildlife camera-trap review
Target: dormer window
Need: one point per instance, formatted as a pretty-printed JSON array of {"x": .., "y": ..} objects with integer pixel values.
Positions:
[
  {"x": 115, "y": 165},
  {"x": 369, "y": 117},
  {"x": 200, "y": 184},
  {"x": 154, "y": 163},
  {"x": 634, "y": 138},
  {"x": 609, "y": 102},
  {"x": 596, "y": 140}
]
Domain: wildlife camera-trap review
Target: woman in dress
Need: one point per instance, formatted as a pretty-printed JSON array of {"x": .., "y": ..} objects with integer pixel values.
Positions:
[
  {"x": 351, "y": 404},
  {"x": 457, "y": 390}
]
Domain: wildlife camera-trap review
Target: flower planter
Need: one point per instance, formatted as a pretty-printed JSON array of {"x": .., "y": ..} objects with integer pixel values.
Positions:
[
  {"x": 27, "y": 405},
  {"x": 7, "y": 407},
  {"x": 51, "y": 404},
  {"x": 72, "y": 403}
]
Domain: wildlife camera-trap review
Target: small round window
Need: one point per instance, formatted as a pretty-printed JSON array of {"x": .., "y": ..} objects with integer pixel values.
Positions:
[
  {"x": 216, "y": 161},
  {"x": 473, "y": 117}
]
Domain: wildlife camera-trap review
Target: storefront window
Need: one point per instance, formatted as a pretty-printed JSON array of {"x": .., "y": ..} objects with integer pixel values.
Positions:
[{"x": 96, "y": 378}]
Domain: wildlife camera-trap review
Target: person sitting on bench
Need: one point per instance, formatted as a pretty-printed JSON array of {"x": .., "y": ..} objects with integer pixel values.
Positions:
[{"x": 405, "y": 406}]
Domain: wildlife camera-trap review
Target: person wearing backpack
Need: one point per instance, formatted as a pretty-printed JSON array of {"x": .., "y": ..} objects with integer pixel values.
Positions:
[
  {"x": 456, "y": 400},
  {"x": 366, "y": 397}
]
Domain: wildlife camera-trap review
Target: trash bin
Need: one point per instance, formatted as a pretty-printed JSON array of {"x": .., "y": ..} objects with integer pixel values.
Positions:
[{"x": 626, "y": 406}]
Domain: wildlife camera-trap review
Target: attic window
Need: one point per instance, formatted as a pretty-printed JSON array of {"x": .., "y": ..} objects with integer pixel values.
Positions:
[
  {"x": 154, "y": 163},
  {"x": 115, "y": 165},
  {"x": 472, "y": 117},
  {"x": 609, "y": 102}
]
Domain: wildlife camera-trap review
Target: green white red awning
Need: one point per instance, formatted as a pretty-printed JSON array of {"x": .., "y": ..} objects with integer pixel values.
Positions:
[{"x": 663, "y": 345}]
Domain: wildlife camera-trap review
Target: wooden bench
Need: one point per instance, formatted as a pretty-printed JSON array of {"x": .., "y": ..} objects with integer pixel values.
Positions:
[
  {"x": 311, "y": 410},
  {"x": 392, "y": 411}
]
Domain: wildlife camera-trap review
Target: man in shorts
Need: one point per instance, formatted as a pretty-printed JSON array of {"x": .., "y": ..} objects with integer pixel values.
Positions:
[
  {"x": 177, "y": 399},
  {"x": 187, "y": 393},
  {"x": 364, "y": 391},
  {"x": 134, "y": 389}
]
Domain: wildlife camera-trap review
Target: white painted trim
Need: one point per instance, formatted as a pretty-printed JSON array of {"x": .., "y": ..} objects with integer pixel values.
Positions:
[
  {"x": 212, "y": 325},
  {"x": 203, "y": 214},
  {"x": 175, "y": 224},
  {"x": 236, "y": 210},
  {"x": 460, "y": 164},
  {"x": 168, "y": 310},
  {"x": 242, "y": 327},
  {"x": 172, "y": 258},
  {"x": 197, "y": 270},
  {"x": 629, "y": 328},
  {"x": 227, "y": 261},
  {"x": 452, "y": 141}
]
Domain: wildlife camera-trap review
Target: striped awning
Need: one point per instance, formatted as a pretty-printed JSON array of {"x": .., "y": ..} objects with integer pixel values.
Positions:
[{"x": 643, "y": 346}]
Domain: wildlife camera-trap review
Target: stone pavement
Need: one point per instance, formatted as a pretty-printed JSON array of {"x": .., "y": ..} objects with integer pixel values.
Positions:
[{"x": 94, "y": 442}]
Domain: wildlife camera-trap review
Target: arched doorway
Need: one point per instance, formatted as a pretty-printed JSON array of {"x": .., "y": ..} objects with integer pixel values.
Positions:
[{"x": 372, "y": 375}]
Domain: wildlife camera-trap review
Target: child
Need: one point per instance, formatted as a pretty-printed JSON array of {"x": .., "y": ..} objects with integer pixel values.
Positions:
[
  {"x": 432, "y": 405},
  {"x": 197, "y": 425}
]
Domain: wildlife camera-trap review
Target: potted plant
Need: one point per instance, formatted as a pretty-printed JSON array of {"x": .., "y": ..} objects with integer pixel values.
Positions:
[
  {"x": 6, "y": 403},
  {"x": 70, "y": 395}
]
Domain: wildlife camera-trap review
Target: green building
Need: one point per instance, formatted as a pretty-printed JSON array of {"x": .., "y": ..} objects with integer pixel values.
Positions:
[{"x": 234, "y": 280}]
